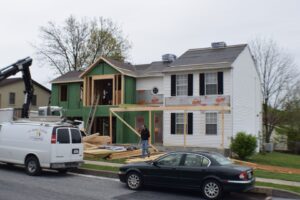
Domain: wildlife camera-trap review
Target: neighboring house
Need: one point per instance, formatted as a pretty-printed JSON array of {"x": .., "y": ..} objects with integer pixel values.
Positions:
[
  {"x": 12, "y": 94},
  {"x": 201, "y": 99}
]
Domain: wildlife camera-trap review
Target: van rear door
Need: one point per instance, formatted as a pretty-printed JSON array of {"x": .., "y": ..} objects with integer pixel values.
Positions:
[
  {"x": 61, "y": 147},
  {"x": 76, "y": 145}
]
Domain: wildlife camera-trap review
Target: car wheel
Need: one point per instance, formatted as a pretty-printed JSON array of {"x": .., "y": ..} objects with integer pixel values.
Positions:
[
  {"x": 211, "y": 189},
  {"x": 32, "y": 166},
  {"x": 134, "y": 181}
]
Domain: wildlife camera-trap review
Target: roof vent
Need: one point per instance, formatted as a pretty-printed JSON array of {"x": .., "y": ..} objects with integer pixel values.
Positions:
[
  {"x": 168, "y": 58},
  {"x": 217, "y": 45}
]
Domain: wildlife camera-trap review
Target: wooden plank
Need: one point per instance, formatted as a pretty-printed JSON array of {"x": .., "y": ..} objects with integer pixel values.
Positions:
[
  {"x": 131, "y": 128},
  {"x": 153, "y": 157},
  {"x": 159, "y": 108},
  {"x": 127, "y": 154},
  {"x": 83, "y": 92},
  {"x": 110, "y": 126},
  {"x": 100, "y": 77},
  {"x": 117, "y": 90},
  {"x": 122, "y": 88},
  {"x": 150, "y": 127},
  {"x": 222, "y": 127},
  {"x": 113, "y": 92},
  {"x": 184, "y": 128}
]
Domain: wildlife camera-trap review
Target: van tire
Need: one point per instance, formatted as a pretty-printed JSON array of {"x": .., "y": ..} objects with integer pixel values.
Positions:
[
  {"x": 32, "y": 166},
  {"x": 62, "y": 171}
]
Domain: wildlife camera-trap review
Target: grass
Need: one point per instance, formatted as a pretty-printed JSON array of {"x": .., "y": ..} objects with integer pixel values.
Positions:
[
  {"x": 277, "y": 186},
  {"x": 119, "y": 161},
  {"x": 281, "y": 176},
  {"x": 277, "y": 159},
  {"x": 98, "y": 167}
]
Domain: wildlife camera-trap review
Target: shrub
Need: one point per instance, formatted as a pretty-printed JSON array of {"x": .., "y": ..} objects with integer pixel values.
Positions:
[{"x": 243, "y": 145}]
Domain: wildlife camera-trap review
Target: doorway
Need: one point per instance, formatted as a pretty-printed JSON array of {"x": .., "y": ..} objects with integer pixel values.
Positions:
[
  {"x": 158, "y": 128},
  {"x": 104, "y": 88},
  {"x": 101, "y": 126}
]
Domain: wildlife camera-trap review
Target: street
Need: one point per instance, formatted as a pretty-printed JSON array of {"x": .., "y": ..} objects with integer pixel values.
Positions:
[{"x": 16, "y": 185}]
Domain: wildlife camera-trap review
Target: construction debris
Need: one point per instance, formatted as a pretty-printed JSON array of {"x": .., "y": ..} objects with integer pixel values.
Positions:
[
  {"x": 151, "y": 158},
  {"x": 127, "y": 154}
]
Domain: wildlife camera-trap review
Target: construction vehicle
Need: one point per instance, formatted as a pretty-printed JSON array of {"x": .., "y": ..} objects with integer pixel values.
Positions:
[{"x": 21, "y": 66}]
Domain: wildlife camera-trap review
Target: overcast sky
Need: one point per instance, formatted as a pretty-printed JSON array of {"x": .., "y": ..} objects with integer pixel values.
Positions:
[{"x": 154, "y": 27}]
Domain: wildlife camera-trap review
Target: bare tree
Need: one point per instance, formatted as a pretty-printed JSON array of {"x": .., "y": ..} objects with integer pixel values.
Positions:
[
  {"x": 78, "y": 43},
  {"x": 277, "y": 73}
]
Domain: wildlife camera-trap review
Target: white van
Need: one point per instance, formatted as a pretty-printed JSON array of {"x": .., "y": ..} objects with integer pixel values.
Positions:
[{"x": 41, "y": 145}]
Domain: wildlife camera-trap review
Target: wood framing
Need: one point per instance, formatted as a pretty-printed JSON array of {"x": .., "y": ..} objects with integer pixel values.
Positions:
[
  {"x": 122, "y": 88},
  {"x": 110, "y": 127},
  {"x": 222, "y": 128},
  {"x": 150, "y": 127}
]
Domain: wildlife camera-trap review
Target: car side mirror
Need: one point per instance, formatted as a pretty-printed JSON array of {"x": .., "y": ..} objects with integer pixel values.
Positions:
[{"x": 155, "y": 163}]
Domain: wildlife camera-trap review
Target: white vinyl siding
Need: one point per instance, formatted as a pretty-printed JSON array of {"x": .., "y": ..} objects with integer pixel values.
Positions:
[
  {"x": 211, "y": 123},
  {"x": 182, "y": 85},
  {"x": 211, "y": 83}
]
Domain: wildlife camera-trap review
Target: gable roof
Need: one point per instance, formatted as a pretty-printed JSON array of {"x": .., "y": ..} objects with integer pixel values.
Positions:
[
  {"x": 123, "y": 68},
  {"x": 10, "y": 81},
  {"x": 192, "y": 59},
  {"x": 72, "y": 76}
]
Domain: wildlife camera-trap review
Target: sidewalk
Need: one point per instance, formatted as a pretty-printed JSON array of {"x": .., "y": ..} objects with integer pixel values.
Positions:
[{"x": 276, "y": 181}]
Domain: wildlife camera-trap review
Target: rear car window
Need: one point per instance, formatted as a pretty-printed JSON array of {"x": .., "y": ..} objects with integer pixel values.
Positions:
[
  {"x": 63, "y": 136},
  {"x": 76, "y": 136}
]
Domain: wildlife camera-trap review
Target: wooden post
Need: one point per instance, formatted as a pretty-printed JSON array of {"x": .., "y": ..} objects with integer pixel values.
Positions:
[
  {"x": 122, "y": 88},
  {"x": 117, "y": 90},
  {"x": 184, "y": 128},
  {"x": 110, "y": 126},
  {"x": 222, "y": 127},
  {"x": 131, "y": 128},
  {"x": 150, "y": 127}
]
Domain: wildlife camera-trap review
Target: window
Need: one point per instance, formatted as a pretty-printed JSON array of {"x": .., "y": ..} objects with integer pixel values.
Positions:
[
  {"x": 221, "y": 159},
  {"x": 170, "y": 160},
  {"x": 33, "y": 101},
  {"x": 205, "y": 162},
  {"x": 155, "y": 90},
  {"x": 182, "y": 85},
  {"x": 63, "y": 136},
  {"x": 76, "y": 136},
  {"x": 193, "y": 160},
  {"x": 211, "y": 83},
  {"x": 211, "y": 123},
  {"x": 12, "y": 98},
  {"x": 63, "y": 93},
  {"x": 179, "y": 123}
]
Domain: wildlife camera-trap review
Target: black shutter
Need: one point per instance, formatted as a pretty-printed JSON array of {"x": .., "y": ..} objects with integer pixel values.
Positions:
[
  {"x": 173, "y": 124},
  {"x": 190, "y": 85},
  {"x": 173, "y": 85},
  {"x": 190, "y": 123},
  {"x": 202, "y": 84},
  {"x": 220, "y": 83}
]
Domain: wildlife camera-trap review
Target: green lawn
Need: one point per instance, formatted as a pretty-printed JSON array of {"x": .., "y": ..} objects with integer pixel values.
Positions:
[
  {"x": 97, "y": 167},
  {"x": 277, "y": 159},
  {"x": 281, "y": 176},
  {"x": 283, "y": 187}
]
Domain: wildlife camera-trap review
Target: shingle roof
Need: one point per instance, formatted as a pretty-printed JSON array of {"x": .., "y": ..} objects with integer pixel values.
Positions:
[
  {"x": 10, "y": 81},
  {"x": 192, "y": 59},
  {"x": 72, "y": 76}
]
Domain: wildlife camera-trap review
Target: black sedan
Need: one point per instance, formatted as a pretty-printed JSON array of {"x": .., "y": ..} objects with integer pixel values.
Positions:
[{"x": 209, "y": 172}]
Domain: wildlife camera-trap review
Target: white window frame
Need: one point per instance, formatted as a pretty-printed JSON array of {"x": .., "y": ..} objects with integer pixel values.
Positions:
[
  {"x": 217, "y": 120},
  {"x": 181, "y": 123},
  {"x": 212, "y": 83},
  {"x": 183, "y": 84}
]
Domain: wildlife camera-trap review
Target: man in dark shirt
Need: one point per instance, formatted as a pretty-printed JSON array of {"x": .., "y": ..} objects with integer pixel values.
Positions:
[{"x": 145, "y": 141}]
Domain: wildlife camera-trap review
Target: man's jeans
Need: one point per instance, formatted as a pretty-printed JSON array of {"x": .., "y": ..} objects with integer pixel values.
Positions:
[{"x": 145, "y": 151}]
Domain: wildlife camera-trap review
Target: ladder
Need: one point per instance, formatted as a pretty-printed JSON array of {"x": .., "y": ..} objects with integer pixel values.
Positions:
[{"x": 92, "y": 113}]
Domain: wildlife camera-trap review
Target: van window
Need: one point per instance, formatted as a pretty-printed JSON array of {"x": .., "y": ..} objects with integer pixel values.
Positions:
[
  {"x": 76, "y": 136},
  {"x": 63, "y": 136}
]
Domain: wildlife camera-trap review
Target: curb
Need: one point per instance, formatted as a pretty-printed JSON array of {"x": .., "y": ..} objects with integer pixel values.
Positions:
[
  {"x": 256, "y": 190},
  {"x": 269, "y": 191}
]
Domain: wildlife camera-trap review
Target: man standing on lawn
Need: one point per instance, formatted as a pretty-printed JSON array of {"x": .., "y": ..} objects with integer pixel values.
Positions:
[{"x": 145, "y": 141}]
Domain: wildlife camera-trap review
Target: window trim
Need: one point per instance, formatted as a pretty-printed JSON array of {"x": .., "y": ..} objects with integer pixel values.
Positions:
[
  {"x": 217, "y": 86},
  {"x": 185, "y": 84},
  {"x": 14, "y": 103},
  {"x": 213, "y": 112}
]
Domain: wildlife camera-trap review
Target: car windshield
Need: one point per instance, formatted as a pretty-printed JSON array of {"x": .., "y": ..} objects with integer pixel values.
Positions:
[{"x": 221, "y": 159}]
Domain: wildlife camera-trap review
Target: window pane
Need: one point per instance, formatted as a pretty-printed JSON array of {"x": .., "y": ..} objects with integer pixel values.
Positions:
[
  {"x": 193, "y": 160},
  {"x": 211, "y": 78},
  {"x": 211, "y": 89},
  {"x": 179, "y": 123},
  {"x": 63, "y": 92},
  {"x": 33, "y": 101},
  {"x": 211, "y": 118},
  {"x": 12, "y": 98},
  {"x": 211, "y": 129},
  {"x": 205, "y": 162},
  {"x": 63, "y": 136},
  {"x": 76, "y": 136},
  {"x": 170, "y": 160},
  {"x": 181, "y": 85},
  {"x": 179, "y": 128}
]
